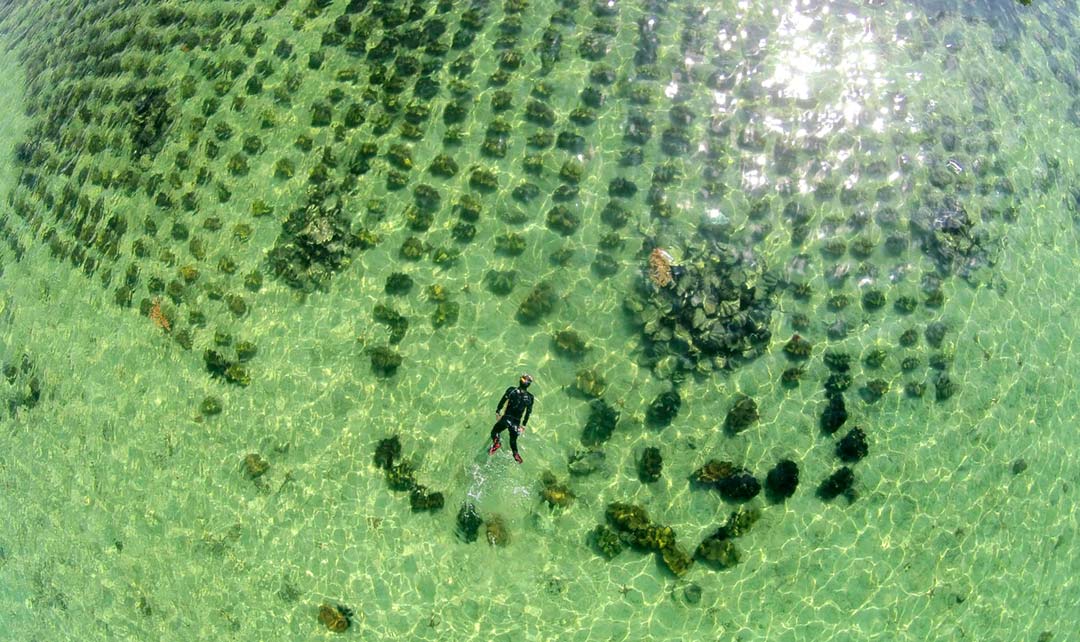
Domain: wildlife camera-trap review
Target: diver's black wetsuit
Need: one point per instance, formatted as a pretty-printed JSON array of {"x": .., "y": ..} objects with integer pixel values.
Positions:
[{"x": 518, "y": 402}]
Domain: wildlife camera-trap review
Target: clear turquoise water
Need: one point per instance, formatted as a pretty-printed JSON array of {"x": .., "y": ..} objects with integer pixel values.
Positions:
[{"x": 128, "y": 512}]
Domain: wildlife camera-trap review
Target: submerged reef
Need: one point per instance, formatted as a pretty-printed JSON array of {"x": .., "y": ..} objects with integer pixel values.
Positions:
[
  {"x": 468, "y": 522},
  {"x": 589, "y": 383},
  {"x": 950, "y": 236},
  {"x": 734, "y": 483},
  {"x": 853, "y": 446},
  {"x": 189, "y": 159},
  {"x": 570, "y": 344},
  {"x": 712, "y": 308},
  {"x": 24, "y": 387},
  {"x": 587, "y": 462},
  {"x": 840, "y": 482},
  {"x": 718, "y": 550},
  {"x": 600, "y": 424},
  {"x": 387, "y": 452},
  {"x": 538, "y": 304},
  {"x": 496, "y": 532},
  {"x": 423, "y": 499},
  {"x": 555, "y": 493},
  {"x": 635, "y": 529},
  {"x": 255, "y": 466},
  {"x": 663, "y": 409},
  {"x": 606, "y": 541},
  {"x": 226, "y": 369},
  {"x": 400, "y": 476},
  {"x": 315, "y": 242},
  {"x": 742, "y": 414},
  {"x": 782, "y": 480},
  {"x": 337, "y": 618},
  {"x": 835, "y": 413},
  {"x": 650, "y": 465}
]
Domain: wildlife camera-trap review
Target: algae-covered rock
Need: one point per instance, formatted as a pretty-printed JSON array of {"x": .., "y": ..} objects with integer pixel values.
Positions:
[
  {"x": 873, "y": 299},
  {"x": 538, "y": 304},
  {"x": 718, "y": 553},
  {"x": 210, "y": 406},
  {"x": 663, "y": 409},
  {"x": 556, "y": 494},
  {"x": 315, "y": 242},
  {"x": 496, "y": 532},
  {"x": 245, "y": 351},
  {"x": 468, "y": 522},
  {"x": 790, "y": 377},
  {"x": 445, "y": 314},
  {"x": 676, "y": 559},
  {"x": 837, "y": 361},
  {"x": 627, "y": 517},
  {"x": 570, "y": 344},
  {"x": 798, "y": 348},
  {"x": 945, "y": 387},
  {"x": 394, "y": 320},
  {"x": 742, "y": 414},
  {"x": 384, "y": 361},
  {"x": 853, "y": 446},
  {"x": 740, "y": 486},
  {"x": 483, "y": 180},
  {"x": 712, "y": 472},
  {"x": 400, "y": 476},
  {"x": 782, "y": 480},
  {"x": 398, "y": 284},
  {"x": 653, "y": 537},
  {"x": 423, "y": 499},
  {"x": 650, "y": 465},
  {"x": 692, "y": 593},
  {"x": 737, "y": 524},
  {"x": 874, "y": 390},
  {"x": 509, "y": 244},
  {"x": 601, "y": 423},
  {"x": 387, "y": 451},
  {"x": 500, "y": 282},
  {"x": 606, "y": 541},
  {"x": 875, "y": 358},
  {"x": 586, "y": 462},
  {"x": 735, "y": 484},
  {"x": 255, "y": 466},
  {"x": 589, "y": 383},
  {"x": 840, "y": 482},
  {"x": 336, "y": 618}
]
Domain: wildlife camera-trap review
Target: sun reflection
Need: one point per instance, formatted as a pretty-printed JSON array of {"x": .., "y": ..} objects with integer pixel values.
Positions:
[
  {"x": 754, "y": 179},
  {"x": 852, "y": 109},
  {"x": 801, "y": 57},
  {"x": 832, "y": 66},
  {"x": 807, "y": 62}
]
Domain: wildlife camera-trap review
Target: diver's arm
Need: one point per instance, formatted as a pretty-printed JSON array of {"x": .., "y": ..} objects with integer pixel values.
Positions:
[
  {"x": 502, "y": 402},
  {"x": 525, "y": 417}
]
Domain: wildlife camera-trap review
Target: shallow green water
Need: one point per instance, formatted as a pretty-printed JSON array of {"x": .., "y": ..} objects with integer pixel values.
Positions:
[{"x": 128, "y": 511}]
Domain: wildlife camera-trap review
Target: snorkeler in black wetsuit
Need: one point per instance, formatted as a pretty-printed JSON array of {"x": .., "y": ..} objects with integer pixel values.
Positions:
[{"x": 518, "y": 402}]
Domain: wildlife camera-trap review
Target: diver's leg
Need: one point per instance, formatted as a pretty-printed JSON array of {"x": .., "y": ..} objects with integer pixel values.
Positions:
[
  {"x": 513, "y": 443},
  {"x": 499, "y": 426}
]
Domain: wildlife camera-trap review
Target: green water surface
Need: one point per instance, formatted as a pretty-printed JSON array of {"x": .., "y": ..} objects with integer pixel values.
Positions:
[{"x": 127, "y": 510}]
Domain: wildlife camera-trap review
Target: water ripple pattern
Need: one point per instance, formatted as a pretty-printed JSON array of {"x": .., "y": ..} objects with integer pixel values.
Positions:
[{"x": 795, "y": 282}]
